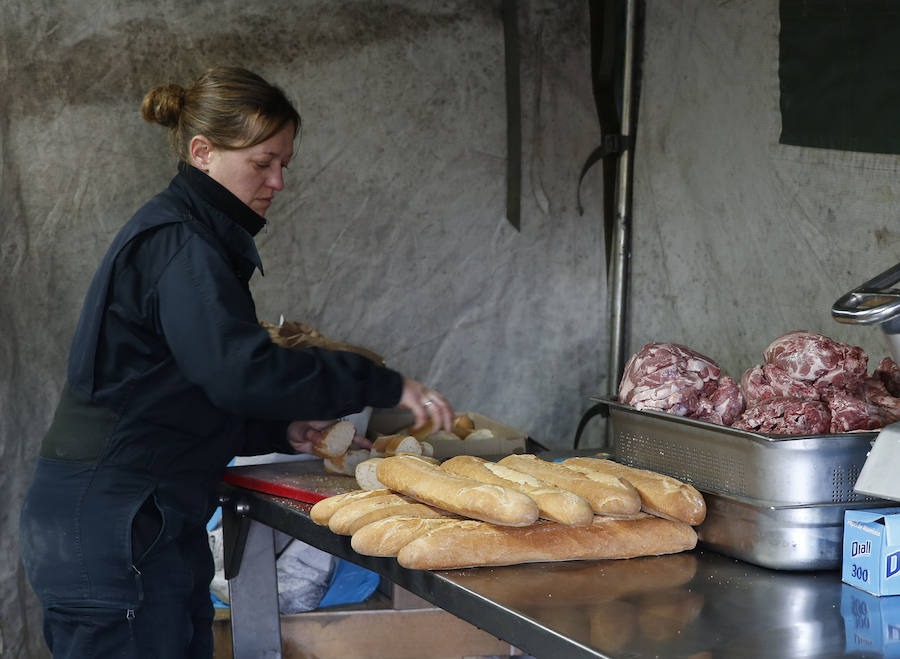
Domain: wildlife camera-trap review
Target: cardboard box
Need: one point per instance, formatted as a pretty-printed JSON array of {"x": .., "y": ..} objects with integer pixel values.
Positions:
[
  {"x": 506, "y": 440},
  {"x": 871, "y": 556},
  {"x": 871, "y": 624}
]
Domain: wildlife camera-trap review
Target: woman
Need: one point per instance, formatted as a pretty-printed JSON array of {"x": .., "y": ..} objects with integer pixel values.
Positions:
[{"x": 169, "y": 377}]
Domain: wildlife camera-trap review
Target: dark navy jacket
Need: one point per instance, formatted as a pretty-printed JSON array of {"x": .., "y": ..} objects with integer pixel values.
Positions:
[{"x": 171, "y": 375}]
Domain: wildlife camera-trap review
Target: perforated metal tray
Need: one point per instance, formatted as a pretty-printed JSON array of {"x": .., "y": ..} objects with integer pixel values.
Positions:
[
  {"x": 773, "y": 500},
  {"x": 775, "y": 469}
]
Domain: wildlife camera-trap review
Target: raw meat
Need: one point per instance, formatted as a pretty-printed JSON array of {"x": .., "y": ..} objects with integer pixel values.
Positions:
[
  {"x": 676, "y": 379},
  {"x": 786, "y": 416},
  {"x": 809, "y": 384},
  {"x": 814, "y": 358},
  {"x": 851, "y": 413},
  {"x": 876, "y": 393},
  {"x": 724, "y": 406},
  {"x": 889, "y": 373},
  {"x": 768, "y": 381}
]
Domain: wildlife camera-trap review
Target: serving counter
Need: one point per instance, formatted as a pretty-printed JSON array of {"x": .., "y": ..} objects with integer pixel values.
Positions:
[{"x": 696, "y": 604}]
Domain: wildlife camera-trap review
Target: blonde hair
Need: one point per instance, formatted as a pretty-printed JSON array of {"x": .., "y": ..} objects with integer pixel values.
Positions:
[{"x": 232, "y": 107}]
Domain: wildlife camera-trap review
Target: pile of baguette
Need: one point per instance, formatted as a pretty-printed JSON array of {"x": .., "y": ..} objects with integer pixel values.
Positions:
[{"x": 470, "y": 512}]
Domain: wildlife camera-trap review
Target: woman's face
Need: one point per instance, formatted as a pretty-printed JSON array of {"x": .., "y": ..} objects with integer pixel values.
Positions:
[{"x": 254, "y": 174}]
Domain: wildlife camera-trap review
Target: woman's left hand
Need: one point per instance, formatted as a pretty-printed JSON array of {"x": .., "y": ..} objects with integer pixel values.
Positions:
[{"x": 303, "y": 435}]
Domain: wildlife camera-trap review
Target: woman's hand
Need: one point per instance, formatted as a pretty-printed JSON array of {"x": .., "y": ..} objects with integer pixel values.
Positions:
[
  {"x": 303, "y": 435},
  {"x": 426, "y": 403}
]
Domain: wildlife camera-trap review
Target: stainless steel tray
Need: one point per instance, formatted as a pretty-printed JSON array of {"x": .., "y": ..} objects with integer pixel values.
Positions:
[
  {"x": 777, "y": 501},
  {"x": 800, "y": 537},
  {"x": 777, "y": 469}
]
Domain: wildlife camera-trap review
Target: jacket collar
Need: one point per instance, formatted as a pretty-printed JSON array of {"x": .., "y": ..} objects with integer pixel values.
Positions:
[{"x": 231, "y": 220}]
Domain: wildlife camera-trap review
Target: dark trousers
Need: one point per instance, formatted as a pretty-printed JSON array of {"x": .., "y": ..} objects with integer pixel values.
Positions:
[
  {"x": 160, "y": 627},
  {"x": 118, "y": 575}
]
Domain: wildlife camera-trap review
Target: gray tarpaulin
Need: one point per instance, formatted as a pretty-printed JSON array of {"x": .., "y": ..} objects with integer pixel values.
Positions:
[{"x": 391, "y": 234}]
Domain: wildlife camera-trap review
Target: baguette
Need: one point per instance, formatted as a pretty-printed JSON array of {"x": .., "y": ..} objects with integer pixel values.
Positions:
[
  {"x": 342, "y": 519},
  {"x": 386, "y": 537},
  {"x": 345, "y": 465},
  {"x": 411, "y": 509},
  {"x": 322, "y": 510},
  {"x": 400, "y": 444},
  {"x": 428, "y": 483},
  {"x": 553, "y": 503},
  {"x": 607, "y": 495},
  {"x": 336, "y": 440},
  {"x": 365, "y": 474},
  {"x": 452, "y": 547},
  {"x": 661, "y": 495}
]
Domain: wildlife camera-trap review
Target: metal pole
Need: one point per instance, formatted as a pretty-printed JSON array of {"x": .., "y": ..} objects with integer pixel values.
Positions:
[{"x": 621, "y": 238}]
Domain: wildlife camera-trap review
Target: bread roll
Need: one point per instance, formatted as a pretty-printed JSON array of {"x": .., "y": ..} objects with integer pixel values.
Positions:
[
  {"x": 607, "y": 495},
  {"x": 430, "y": 484},
  {"x": 661, "y": 495},
  {"x": 452, "y": 547},
  {"x": 345, "y": 465},
  {"x": 342, "y": 519},
  {"x": 553, "y": 503},
  {"x": 399, "y": 444},
  {"x": 336, "y": 440},
  {"x": 365, "y": 474},
  {"x": 386, "y": 537},
  {"x": 322, "y": 510},
  {"x": 427, "y": 450},
  {"x": 462, "y": 426}
]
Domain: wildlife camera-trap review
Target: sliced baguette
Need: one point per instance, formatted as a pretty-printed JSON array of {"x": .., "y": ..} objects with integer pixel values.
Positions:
[
  {"x": 336, "y": 440},
  {"x": 345, "y": 465},
  {"x": 399, "y": 444},
  {"x": 366, "y": 476}
]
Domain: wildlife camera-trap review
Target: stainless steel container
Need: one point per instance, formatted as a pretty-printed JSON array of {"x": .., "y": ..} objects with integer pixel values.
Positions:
[{"x": 773, "y": 500}]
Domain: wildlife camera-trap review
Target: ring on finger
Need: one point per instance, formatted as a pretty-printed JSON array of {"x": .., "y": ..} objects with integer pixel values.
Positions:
[{"x": 427, "y": 403}]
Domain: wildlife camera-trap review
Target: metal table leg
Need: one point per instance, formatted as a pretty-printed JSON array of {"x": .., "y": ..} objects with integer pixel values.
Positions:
[{"x": 253, "y": 591}]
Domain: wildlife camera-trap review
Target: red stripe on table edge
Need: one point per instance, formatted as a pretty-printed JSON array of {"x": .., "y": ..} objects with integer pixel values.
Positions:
[{"x": 273, "y": 488}]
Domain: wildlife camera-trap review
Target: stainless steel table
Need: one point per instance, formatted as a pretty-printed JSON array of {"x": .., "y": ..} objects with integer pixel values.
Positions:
[{"x": 697, "y": 605}]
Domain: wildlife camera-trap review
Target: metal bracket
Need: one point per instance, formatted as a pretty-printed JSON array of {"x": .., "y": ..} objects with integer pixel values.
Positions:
[{"x": 234, "y": 533}]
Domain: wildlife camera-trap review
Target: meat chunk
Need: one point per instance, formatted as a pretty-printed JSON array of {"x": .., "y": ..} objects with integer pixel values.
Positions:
[
  {"x": 768, "y": 381},
  {"x": 724, "y": 406},
  {"x": 876, "y": 393},
  {"x": 673, "y": 378},
  {"x": 889, "y": 373},
  {"x": 852, "y": 413},
  {"x": 786, "y": 416},
  {"x": 660, "y": 364},
  {"x": 819, "y": 360}
]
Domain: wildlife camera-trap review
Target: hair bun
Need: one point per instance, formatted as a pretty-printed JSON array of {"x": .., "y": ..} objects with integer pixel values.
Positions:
[{"x": 163, "y": 104}]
